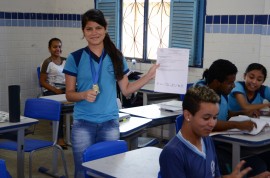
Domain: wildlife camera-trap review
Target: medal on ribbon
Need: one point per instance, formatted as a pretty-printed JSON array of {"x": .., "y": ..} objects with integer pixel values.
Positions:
[
  {"x": 95, "y": 74},
  {"x": 96, "y": 88}
]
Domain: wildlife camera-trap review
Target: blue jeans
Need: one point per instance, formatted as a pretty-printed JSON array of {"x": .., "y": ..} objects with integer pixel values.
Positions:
[{"x": 86, "y": 133}]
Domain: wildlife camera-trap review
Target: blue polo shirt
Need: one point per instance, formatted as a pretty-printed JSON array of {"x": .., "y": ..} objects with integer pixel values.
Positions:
[
  {"x": 262, "y": 93},
  {"x": 105, "y": 107},
  {"x": 223, "y": 105},
  {"x": 179, "y": 158}
]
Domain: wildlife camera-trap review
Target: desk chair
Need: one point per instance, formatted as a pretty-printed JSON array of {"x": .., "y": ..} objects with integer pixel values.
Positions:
[
  {"x": 3, "y": 169},
  {"x": 38, "y": 75},
  {"x": 43, "y": 109},
  {"x": 178, "y": 122},
  {"x": 147, "y": 141},
  {"x": 104, "y": 149},
  {"x": 183, "y": 95}
]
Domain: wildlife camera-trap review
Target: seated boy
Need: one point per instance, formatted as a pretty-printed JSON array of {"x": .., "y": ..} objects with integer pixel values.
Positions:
[{"x": 191, "y": 153}]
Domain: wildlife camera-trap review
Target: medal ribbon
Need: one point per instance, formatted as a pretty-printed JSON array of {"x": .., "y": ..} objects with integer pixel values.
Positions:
[{"x": 96, "y": 74}]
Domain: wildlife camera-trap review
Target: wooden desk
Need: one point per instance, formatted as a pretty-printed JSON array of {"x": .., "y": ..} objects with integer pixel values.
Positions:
[
  {"x": 245, "y": 140},
  {"x": 19, "y": 127},
  {"x": 143, "y": 162}
]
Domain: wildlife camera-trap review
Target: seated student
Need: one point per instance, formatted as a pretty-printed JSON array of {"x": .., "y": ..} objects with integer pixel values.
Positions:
[
  {"x": 51, "y": 73},
  {"x": 250, "y": 93},
  {"x": 52, "y": 69},
  {"x": 191, "y": 153},
  {"x": 221, "y": 77}
]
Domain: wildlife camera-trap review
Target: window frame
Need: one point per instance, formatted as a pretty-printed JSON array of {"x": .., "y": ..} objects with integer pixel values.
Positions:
[{"x": 112, "y": 10}]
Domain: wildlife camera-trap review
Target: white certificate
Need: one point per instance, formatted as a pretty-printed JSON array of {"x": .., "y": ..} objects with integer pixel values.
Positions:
[{"x": 171, "y": 76}]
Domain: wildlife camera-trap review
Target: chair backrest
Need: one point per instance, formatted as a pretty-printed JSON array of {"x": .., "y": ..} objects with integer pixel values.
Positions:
[
  {"x": 40, "y": 108},
  {"x": 179, "y": 122},
  {"x": 104, "y": 149},
  {"x": 44, "y": 109},
  {"x": 39, "y": 84},
  {"x": 38, "y": 75},
  {"x": 3, "y": 169},
  {"x": 159, "y": 175}
]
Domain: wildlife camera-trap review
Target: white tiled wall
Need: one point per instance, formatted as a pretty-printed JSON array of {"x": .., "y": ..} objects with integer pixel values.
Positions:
[
  {"x": 241, "y": 49},
  {"x": 22, "y": 49}
]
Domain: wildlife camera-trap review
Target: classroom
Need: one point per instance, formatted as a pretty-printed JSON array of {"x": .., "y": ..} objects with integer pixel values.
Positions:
[{"x": 235, "y": 30}]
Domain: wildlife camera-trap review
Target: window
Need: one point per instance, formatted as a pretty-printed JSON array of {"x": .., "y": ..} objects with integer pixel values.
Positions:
[{"x": 139, "y": 27}]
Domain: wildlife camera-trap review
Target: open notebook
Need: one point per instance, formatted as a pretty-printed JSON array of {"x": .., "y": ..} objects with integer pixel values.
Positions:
[{"x": 263, "y": 124}]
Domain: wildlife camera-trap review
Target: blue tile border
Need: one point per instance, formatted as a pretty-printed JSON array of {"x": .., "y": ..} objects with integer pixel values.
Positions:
[
  {"x": 231, "y": 24},
  {"x": 238, "y": 24},
  {"x": 30, "y": 19}
]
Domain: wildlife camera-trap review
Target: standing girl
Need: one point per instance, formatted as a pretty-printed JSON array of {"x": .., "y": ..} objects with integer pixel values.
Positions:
[{"x": 91, "y": 76}]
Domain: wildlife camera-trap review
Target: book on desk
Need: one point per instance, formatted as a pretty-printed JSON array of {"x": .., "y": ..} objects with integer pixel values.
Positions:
[
  {"x": 123, "y": 117},
  {"x": 172, "y": 106},
  {"x": 262, "y": 125}
]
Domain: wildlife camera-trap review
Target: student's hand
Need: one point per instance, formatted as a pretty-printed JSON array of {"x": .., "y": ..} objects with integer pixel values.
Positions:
[
  {"x": 238, "y": 173},
  {"x": 252, "y": 113},
  {"x": 58, "y": 91},
  {"x": 152, "y": 71},
  {"x": 245, "y": 125},
  {"x": 265, "y": 174},
  {"x": 90, "y": 95}
]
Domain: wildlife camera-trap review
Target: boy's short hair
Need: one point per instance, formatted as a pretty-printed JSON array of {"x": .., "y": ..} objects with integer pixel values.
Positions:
[{"x": 196, "y": 95}]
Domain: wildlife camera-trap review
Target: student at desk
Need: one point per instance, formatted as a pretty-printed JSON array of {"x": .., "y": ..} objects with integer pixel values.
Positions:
[
  {"x": 52, "y": 69},
  {"x": 96, "y": 69},
  {"x": 250, "y": 93},
  {"x": 191, "y": 153},
  {"x": 221, "y": 77},
  {"x": 51, "y": 73}
]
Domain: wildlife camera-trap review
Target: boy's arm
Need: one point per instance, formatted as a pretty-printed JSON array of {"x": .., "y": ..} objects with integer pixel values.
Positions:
[{"x": 226, "y": 125}]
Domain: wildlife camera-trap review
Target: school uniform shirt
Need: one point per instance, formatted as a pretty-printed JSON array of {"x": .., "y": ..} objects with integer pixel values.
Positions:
[
  {"x": 223, "y": 104},
  {"x": 179, "y": 158},
  {"x": 262, "y": 93},
  {"x": 105, "y": 106}
]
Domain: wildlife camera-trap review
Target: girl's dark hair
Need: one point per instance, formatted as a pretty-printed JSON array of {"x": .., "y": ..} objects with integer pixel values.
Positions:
[
  {"x": 52, "y": 40},
  {"x": 116, "y": 56},
  {"x": 257, "y": 66},
  {"x": 219, "y": 70}
]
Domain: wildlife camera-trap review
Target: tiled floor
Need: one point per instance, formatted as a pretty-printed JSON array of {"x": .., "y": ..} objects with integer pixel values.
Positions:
[{"x": 41, "y": 158}]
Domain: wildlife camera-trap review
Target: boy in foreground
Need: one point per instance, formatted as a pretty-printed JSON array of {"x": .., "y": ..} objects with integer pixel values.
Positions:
[{"x": 191, "y": 153}]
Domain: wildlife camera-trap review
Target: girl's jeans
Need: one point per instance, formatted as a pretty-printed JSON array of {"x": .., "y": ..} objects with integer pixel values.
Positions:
[{"x": 85, "y": 133}]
